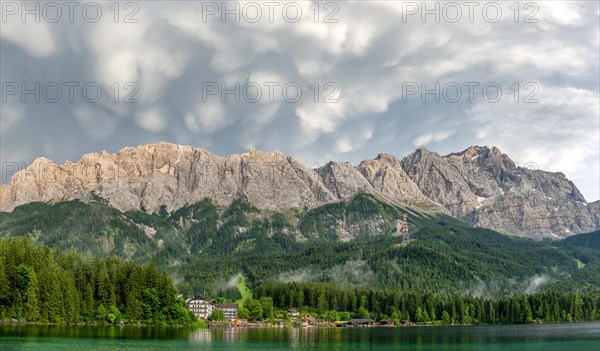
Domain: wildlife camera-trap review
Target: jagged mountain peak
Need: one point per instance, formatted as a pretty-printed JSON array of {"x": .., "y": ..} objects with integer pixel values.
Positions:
[
  {"x": 41, "y": 161},
  {"x": 161, "y": 147},
  {"x": 483, "y": 159},
  {"x": 424, "y": 151},
  {"x": 387, "y": 158},
  {"x": 422, "y": 154},
  {"x": 480, "y": 184},
  {"x": 484, "y": 187},
  {"x": 475, "y": 150},
  {"x": 254, "y": 153},
  {"x": 337, "y": 164}
]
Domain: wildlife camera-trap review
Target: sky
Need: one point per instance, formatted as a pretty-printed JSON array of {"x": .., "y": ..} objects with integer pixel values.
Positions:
[{"x": 319, "y": 81}]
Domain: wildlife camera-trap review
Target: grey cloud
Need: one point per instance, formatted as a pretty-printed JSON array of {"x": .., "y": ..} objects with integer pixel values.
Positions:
[{"x": 369, "y": 53}]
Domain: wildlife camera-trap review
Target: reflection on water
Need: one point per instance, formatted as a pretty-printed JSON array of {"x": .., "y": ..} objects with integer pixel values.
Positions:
[
  {"x": 559, "y": 337},
  {"x": 216, "y": 334},
  {"x": 201, "y": 335},
  {"x": 91, "y": 332},
  {"x": 295, "y": 338}
]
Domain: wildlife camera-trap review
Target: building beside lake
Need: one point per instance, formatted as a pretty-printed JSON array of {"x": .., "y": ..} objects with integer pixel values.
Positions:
[
  {"x": 361, "y": 322},
  {"x": 203, "y": 307},
  {"x": 293, "y": 313},
  {"x": 388, "y": 322},
  {"x": 230, "y": 310}
]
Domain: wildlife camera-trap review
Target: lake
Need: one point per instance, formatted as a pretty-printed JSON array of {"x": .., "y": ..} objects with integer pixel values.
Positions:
[{"x": 560, "y": 337}]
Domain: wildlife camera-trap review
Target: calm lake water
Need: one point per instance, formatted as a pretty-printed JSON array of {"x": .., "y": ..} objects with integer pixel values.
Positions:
[{"x": 560, "y": 337}]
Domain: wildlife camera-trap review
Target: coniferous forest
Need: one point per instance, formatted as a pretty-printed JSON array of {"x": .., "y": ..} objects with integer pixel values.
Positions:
[
  {"x": 39, "y": 284},
  {"x": 334, "y": 303},
  {"x": 100, "y": 267}
]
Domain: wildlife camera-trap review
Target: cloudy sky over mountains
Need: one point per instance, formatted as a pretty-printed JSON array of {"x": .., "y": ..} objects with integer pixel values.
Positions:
[{"x": 521, "y": 77}]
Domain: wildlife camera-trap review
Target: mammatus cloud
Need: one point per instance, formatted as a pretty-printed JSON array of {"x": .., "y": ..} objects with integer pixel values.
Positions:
[
  {"x": 428, "y": 138},
  {"x": 371, "y": 76},
  {"x": 565, "y": 128}
]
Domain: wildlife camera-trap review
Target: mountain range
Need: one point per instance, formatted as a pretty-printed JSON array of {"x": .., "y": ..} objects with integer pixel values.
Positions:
[{"x": 480, "y": 185}]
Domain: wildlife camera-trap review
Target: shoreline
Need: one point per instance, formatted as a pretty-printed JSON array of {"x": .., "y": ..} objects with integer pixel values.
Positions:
[
  {"x": 263, "y": 325},
  {"x": 328, "y": 325},
  {"x": 96, "y": 324}
]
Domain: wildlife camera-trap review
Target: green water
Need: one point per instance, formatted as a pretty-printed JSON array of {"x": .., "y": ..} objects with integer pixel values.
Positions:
[{"x": 560, "y": 337}]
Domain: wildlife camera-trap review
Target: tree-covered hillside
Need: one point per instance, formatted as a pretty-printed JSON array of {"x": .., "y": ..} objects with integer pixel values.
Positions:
[{"x": 207, "y": 248}]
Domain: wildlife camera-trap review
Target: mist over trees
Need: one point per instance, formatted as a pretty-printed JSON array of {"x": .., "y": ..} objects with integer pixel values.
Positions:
[{"x": 327, "y": 300}]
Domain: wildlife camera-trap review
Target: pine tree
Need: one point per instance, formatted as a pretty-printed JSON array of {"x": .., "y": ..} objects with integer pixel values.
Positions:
[
  {"x": 106, "y": 290},
  {"x": 578, "y": 314},
  {"x": 363, "y": 313},
  {"x": 395, "y": 317},
  {"x": 168, "y": 296},
  {"x": 87, "y": 303},
  {"x": 432, "y": 315},
  {"x": 151, "y": 305},
  {"x": 32, "y": 305},
  {"x": 52, "y": 307},
  {"x": 71, "y": 300},
  {"x": 446, "y": 318},
  {"x": 100, "y": 313},
  {"x": 460, "y": 309},
  {"x": 133, "y": 300},
  {"x": 364, "y": 301},
  {"x": 321, "y": 303},
  {"x": 55, "y": 302},
  {"x": 528, "y": 318},
  {"x": 3, "y": 286},
  {"x": 492, "y": 313}
]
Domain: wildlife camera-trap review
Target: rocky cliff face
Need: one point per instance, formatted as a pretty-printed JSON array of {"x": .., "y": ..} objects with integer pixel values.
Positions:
[
  {"x": 486, "y": 188},
  {"x": 479, "y": 185},
  {"x": 387, "y": 177},
  {"x": 149, "y": 176}
]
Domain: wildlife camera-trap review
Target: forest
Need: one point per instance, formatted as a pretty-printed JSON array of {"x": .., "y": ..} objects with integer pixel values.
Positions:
[
  {"x": 46, "y": 285},
  {"x": 40, "y": 284},
  {"x": 102, "y": 261},
  {"x": 333, "y": 303}
]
